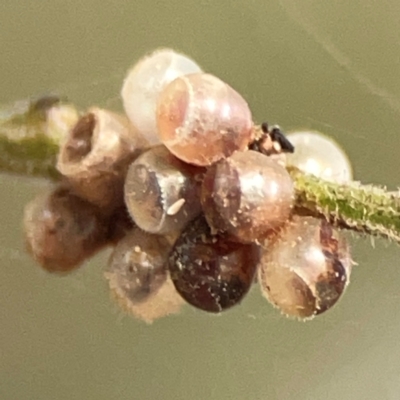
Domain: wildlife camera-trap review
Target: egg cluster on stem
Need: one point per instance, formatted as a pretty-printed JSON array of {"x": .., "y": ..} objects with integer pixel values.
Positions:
[{"x": 212, "y": 189}]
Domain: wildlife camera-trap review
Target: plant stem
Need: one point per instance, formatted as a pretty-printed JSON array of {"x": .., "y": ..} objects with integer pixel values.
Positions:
[
  {"x": 31, "y": 133},
  {"x": 361, "y": 208}
]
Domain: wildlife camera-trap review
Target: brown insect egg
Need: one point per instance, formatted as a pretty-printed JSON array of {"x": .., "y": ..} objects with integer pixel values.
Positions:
[
  {"x": 305, "y": 269},
  {"x": 201, "y": 119},
  {"x": 97, "y": 154},
  {"x": 138, "y": 277},
  {"x": 62, "y": 230},
  {"x": 247, "y": 195},
  {"x": 162, "y": 193},
  {"x": 209, "y": 271},
  {"x": 137, "y": 267}
]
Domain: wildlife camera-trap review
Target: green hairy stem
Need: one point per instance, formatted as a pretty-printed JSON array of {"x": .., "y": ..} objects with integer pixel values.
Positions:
[{"x": 366, "y": 209}]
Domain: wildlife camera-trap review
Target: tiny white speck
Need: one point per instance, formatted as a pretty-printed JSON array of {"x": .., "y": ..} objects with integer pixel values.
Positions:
[{"x": 174, "y": 209}]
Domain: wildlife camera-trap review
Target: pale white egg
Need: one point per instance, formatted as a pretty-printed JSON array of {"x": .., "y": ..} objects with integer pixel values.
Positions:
[
  {"x": 145, "y": 81},
  {"x": 319, "y": 155}
]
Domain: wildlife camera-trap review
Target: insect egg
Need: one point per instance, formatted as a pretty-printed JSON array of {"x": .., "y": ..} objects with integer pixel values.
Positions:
[
  {"x": 247, "y": 195},
  {"x": 144, "y": 83},
  {"x": 137, "y": 267},
  {"x": 319, "y": 155},
  {"x": 305, "y": 268},
  {"x": 62, "y": 230},
  {"x": 201, "y": 119},
  {"x": 162, "y": 193},
  {"x": 138, "y": 278},
  {"x": 97, "y": 154},
  {"x": 209, "y": 271}
]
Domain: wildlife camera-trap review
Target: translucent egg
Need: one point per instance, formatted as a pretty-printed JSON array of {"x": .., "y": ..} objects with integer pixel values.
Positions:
[
  {"x": 138, "y": 277},
  {"x": 201, "y": 119},
  {"x": 137, "y": 267},
  {"x": 305, "y": 268},
  {"x": 247, "y": 195},
  {"x": 145, "y": 81},
  {"x": 319, "y": 155},
  {"x": 162, "y": 193}
]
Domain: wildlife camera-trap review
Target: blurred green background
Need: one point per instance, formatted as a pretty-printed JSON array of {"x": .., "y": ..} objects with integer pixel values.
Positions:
[{"x": 331, "y": 66}]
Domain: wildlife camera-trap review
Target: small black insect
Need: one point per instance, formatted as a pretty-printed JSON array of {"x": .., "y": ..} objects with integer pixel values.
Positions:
[
  {"x": 278, "y": 136},
  {"x": 271, "y": 141}
]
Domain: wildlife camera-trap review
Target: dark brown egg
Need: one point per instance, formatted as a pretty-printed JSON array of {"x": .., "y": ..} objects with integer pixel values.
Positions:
[
  {"x": 62, "y": 230},
  {"x": 305, "y": 269},
  {"x": 209, "y": 271}
]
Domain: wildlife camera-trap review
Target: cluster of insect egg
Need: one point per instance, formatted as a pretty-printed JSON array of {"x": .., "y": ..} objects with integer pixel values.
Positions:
[{"x": 208, "y": 208}]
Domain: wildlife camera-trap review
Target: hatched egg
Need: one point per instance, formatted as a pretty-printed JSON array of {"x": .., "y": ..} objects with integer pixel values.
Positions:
[
  {"x": 96, "y": 156},
  {"x": 146, "y": 80}
]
